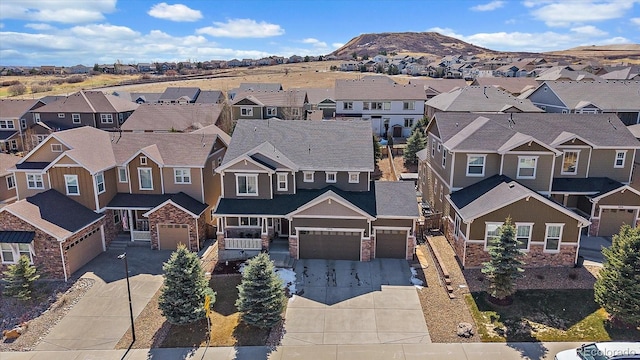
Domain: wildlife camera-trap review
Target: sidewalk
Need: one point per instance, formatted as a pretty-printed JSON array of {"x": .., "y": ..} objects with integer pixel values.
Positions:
[{"x": 502, "y": 351}]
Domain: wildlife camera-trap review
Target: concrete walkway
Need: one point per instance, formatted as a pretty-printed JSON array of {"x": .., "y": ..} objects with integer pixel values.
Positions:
[
  {"x": 101, "y": 317},
  {"x": 474, "y": 351},
  {"x": 591, "y": 248}
]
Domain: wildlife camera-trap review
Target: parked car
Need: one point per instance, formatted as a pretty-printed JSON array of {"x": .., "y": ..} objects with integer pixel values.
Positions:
[{"x": 602, "y": 351}]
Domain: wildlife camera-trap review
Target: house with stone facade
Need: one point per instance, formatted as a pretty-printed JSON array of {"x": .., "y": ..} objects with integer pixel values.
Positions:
[
  {"x": 557, "y": 175},
  {"x": 154, "y": 188},
  {"x": 306, "y": 185}
]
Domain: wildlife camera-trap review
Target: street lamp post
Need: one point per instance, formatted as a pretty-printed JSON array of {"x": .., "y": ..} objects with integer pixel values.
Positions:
[{"x": 126, "y": 270}]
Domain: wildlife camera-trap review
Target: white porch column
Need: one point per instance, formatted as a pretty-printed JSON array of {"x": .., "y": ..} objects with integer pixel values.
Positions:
[{"x": 131, "y": 225}]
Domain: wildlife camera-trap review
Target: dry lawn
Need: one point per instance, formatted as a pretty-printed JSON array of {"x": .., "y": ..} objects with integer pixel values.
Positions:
[{"x": 90, "y": 82}]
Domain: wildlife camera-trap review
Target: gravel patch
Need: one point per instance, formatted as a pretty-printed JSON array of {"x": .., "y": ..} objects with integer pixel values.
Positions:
[
  {"x": 151, "y": 327},
  {"x": 53, "y": 302}
]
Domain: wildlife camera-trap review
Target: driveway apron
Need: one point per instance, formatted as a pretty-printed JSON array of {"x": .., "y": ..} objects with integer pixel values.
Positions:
[{"x": 351, "y": 302}]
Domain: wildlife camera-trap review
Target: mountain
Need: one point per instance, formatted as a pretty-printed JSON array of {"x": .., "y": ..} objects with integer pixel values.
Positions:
[{"x": 431, "y": 43}]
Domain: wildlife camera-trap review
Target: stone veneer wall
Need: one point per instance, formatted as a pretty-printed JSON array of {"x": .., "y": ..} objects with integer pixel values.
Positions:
[
  {"x": 203, "y": 230},
  {"x": 366, "y": 248},
  {"x": 47, "y": 257},
  {"x": 220, "y": 241},
  {"x": 411, "y": 248},
  {"x": 170, "y": 214},
  {"x": 594, "y": 227},
  {"x": 535, "y": 257},
  {"x": 110, "y": 228},
  {"x": 293, "y": 247}
]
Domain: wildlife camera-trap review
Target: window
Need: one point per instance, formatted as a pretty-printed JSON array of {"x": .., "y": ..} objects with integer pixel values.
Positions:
[
  {"x": 56, "y": 148},
  {"x": 11, "y": 182},
  {"x": 491, "y": 233},
  {"x": 100, "y": 182},
  {"x": 457, "y": 225},
  {"x": 106, "y": 118},
  {"x": 71, "y": 184},
  {"x": 283, "y": 183},
  {"x": 308, "y": 176},
  {"x": 295, "y": 112},
  {"x": 527, "y": 167},
  {"x": 433, "y": 148},
  {"x": 23, "y": 123},
  {"x": 408, "y": 122},
  {"x": 34, "y": 181},
  {"x": 570, "y": 162},
  {"x": 620, "y": 157},
  {"x": 24, "y": 249},
  {"x": 6, "y": 124},
  {"x": 444, "y": 159},
  {"x": 116, "y": 216},
  {"x": 60, "y": 115},
  {"x": 354, "y": 177},
  {"x": 143, "y": 160},
  {"x": 347, "y": 105},
  {"x": 441, "y": 191},
  {"x": 246, "y": 111},
  {"x": 408, "y": 105},
  {"x": 552, "y": 237},
  {"x": 36, "y": 117},
  {"x": 376, "y": 106},
  {"x": 122, "y": 174},
  {"x": 10, "y": 253},
  {"x": 439, "y": 147},
  {"x": 220, "y": 161},
  {"x": 272, "y": 111},
  {"x": 386, "y": 105},
  {"x": 145, "y": 179},
  {"x": 250, "y": 221},
  {"x": 182, "y": 176},
  {"x": 366, "y": 105},
  {"x": 7, "y": 253},
  {"x": 37, "y": 139},
  {"x": 75, "y": 118},
  {"x": 247, "y": 185},
  {"x": 523, "y": 235},
  {"x": 435, "y": 187},
  {"x": 565, "y": 111},
  {"x": 475, "y": 165},
  {"x": 331, "y": 177},
  {"x": 13, "y": 144}
]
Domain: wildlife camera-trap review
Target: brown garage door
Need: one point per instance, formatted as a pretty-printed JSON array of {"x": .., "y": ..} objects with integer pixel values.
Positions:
[
  {"x": 391, "y": 244},
  {"x": 83, "y": 250},
  {"x": 332, "y": 245},
  {"x": 612, "y": 219},
  {"x": 170, "y": 235}
]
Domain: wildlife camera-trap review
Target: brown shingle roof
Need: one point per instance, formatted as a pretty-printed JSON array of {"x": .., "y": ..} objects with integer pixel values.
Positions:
[
  {"x": 7, "y": 161},
  {"x": 284, "y": 98},
  {"x": 179, "y": 117},
  {"x": 14, "y": 109},
  {"x": 89, "y": 102}
]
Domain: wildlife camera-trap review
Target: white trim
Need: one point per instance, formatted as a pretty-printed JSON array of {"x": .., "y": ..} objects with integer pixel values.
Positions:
[
  {"x": 286, "y": 181},
  {"x": 564, "y": 153},
  {"x": 530, "y": 225},
  {"x": 182, "y": 176},
  {"x": 140, "y": 179},
  {"x": 332, "y": 196},
  {"x": 104, "y": 185},
  {"x": 64, "y": 266},
  {"x": 13, "y": 178},
  {"x": 335, "y": 177},
  {"x": 247, "y": 175},
  {"x": 624, "y": 158},
  {"x": 69, "y": 178},
  {"x": 304, "y": 176},
  {"x": 154, "y": 209},
  {"x": 351, "y": 230},
  {"x": 58, "y": 146},
  {"x": 546, "y": 237},
  {"x": 487, "y": 223},
  {"x": 535, "y": 167},
  {"x": 357, "y": 174},
  {"x": 622, "y": 188},
  {"x": 126, "y": 174},
  {"x": 484, "y": 163},
  {"x": 35, "y": 181},
  {"x": 246, "y": 159}
]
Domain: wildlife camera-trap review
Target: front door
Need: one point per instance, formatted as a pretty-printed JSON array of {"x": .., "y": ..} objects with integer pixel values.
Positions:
[
  {"x": 397, "y": 131},
  {"x": 284, "y": 226}
]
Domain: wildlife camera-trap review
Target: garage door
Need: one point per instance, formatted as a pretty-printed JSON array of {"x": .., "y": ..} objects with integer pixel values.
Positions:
[
  {"x": 170, "y": 235},
  {"x": 391, "y": 244},
  {"x": 612, "y": 219},
  {"x": 333, "y": 245},
  {"x": 83, "y": 250}
]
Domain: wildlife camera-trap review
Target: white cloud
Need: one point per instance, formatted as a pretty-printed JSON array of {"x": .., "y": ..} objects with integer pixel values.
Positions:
[
  {"x": 589, "y": 30},
  {"x": 565, "y": 13},
  {"x": 39, "y": 26},
  {"x": 242, "y": 28},
  {"x": 510, "y": 21},
  {"x": 1, "y": 25},
  {"x": 62, "y": 11},
  {"x": 315, "y": 42},
  {"x": 176, "y": 12},
  {"x": 337, "y": 45},
  {"x": 635, "y": 21},
  {"x": 489, "y": 6}
]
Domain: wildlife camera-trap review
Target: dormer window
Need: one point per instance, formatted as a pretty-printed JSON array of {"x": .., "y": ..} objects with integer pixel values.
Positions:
[
  {"x": 308, "y": 176},
  {"x": 331, "y": 177},
  {"x": 56, "y": 148}
]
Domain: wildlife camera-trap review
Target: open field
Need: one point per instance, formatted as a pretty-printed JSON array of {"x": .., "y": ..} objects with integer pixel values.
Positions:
[{"x": 64, "y": 88}]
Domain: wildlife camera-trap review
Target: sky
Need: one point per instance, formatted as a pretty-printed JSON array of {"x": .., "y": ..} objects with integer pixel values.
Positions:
[{"x": 71, "y": 32}]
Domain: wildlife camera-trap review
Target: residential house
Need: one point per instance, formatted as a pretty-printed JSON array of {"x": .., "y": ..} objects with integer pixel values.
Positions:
[
  {"x": 561, "y": 73},
  {"x": 553, "y": 174},
  {"x": 81, "y": 188},
  {"x": 486, "y": 99},
  {"x": 146, "y": 67},
  {"x": 307, "y": 185},
  {"x": 139, "y": 97},
  {"x": 392, "y": 108},
  {"x": 513, "y": 85},
  {"x": 79, "y": 69},
  {"x": 627, "y": 73},
  {"x": 15, "y": 119},
  {"x": 284, "y": 104},
  {"x": 7, "y": 180},
  {"x": 433, "y": 87},
  {"x": 321, "y": 99},
  {"x": 620, "y": 98},
  {"x": 85, "y": 108},
  {"x": 254, "y": 87},
  {"x": 179, "y": 95},
  {"x": 210, "y": 97},
  {"x": 172, "y": 117}
]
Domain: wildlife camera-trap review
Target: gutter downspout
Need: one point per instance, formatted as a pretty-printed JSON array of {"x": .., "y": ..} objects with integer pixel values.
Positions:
[{"x": 64, "y": 265}]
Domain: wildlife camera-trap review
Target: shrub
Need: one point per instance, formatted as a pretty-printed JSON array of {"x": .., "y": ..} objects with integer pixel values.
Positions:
[
  {"x": 19, "y": 279},
  {"x": 40, "y": 88},
  {"x": 17, "y": 89},
  {"x": 261, "y": 293},
  {"x": 75, "y": 79}
]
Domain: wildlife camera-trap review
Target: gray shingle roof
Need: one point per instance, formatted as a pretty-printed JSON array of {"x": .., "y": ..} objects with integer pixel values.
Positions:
[
  {"x": 210, "y": 97},
  {"x": 7, "y": 161},
  {"x": 14, "y": 109},
  {"x": 396, "y": 198},
  {"x": 284, "y": 98},
  {"x": 312, "y": 145},
  {"x": 513, "y": 85},
  {"x": 88, "y": 102},
  {"x": 150, "y": 201},
  {"x": 180, "y": 117},
  {"x": 594, "y": 186},
  {"x": 174, "y": 93},
  {"x": 480, "y": 99},
  {"x": 377, "y": 90},
  {"x": 439, "y": 85},
  {"x": 17, "y": 237},
  {"x": 610, "y": 96}
]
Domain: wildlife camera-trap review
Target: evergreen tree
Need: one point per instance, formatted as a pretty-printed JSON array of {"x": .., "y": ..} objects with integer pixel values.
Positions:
[
  {"x": 617, "y": 288},
  {"x": 260, "y": 294},
  {"x": 19, "y": 279},
  {"x": 421, "y": 125},
  {"x": 415, "y": 143},
  {"x": 377, "y": 154},
  {"x": 185, "y": 287},
  {"x": 505, "y": 265}
]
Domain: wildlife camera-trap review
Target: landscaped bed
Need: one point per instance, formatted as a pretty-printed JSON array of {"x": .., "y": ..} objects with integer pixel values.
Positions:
[{"x": 546, "y": 315}]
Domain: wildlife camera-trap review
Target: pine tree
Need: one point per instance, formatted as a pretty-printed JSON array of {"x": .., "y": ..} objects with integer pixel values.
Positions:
[
  {"x": 415, "y": 143},
  {"x": 260, "y": 294},
  {"x": 185, "y": 287},
  {"x": 504, "y": 267},
  {"x": 617, "y": 288},
  {"x": 19, "y": 279},
  {"x": 377, "y": 153}
]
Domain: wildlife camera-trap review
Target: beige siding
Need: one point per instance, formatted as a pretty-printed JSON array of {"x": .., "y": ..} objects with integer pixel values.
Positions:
[
  {"x": 331, "y": 223},
  {"x": 110, "y": 187},
  {"x": 85, "y": 182},
  {"x": 626, "y": 198},
  {"x": 194, "y": 189},
  {"x": 530, "y": 147},
  {"x": 532, "y": 211},
  {"x": 122, "y": 187},
  {"x": 245, "y": 166},
  {"x": 602, "y": 165},
  {"x": 264, "y": 186},
  {"x": 393, "y": 222},
  {"x": 5, "y": 193},
  {"x": 44, "y": 153},
  {"x": 543, "y": 170},
  {"x": 21, "y": 185},
  {"x": 133, "y": 176},
  {"x": 583, "y": 160},
  {"x": 436, "y": 161},
  {"x": 211, "y": 183},
  {"x": 329, "y": 208},
  {"x": 460, "y": 178}
]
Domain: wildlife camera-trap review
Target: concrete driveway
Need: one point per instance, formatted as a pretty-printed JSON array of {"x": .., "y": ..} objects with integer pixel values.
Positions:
[
  {"x": 101, "y": 316},
  {"x": 591, "y": 247},
  {"x": 350, "y": 302}
]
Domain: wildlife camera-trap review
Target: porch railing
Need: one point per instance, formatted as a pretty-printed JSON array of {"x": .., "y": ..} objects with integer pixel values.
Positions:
[
  {"x": 137, "y": 235},
  {"x": 249, "y": 244}
]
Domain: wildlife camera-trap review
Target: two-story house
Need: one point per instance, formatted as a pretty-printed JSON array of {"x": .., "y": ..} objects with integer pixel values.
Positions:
[
  {"x": 258, "y": 104},
  {"x": 172, "y": 117},
  {"x": 7, "y": 180},
  {"x": 619, "y": 98},
  {"x": 179, "y": 95},
  {"x": 85, "y": 108},
  {"x": 392, "y": 108},
  {"x": 15, "y": 119},
  {"x": 554, "y": 174},
  {"x": 81, "y": 188},
  {"x": 307, "y": 186}
]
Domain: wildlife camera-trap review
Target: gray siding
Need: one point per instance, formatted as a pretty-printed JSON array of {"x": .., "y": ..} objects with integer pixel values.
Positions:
[
  {"x": 460, "y": 178},
  {"x": 548, "y": 99},
  {"x": 264, "y": 188},
  {"x": 342, "y": 181}
]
